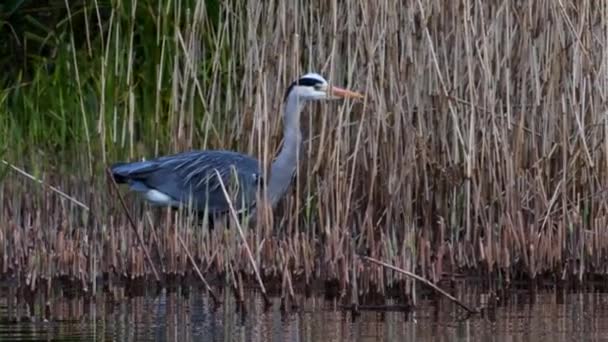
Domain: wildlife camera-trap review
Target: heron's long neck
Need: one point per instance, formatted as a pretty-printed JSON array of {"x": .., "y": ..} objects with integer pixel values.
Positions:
[{"x": 285, "y": 164}]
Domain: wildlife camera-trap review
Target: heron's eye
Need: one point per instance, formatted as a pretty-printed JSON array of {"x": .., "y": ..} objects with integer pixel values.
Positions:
[{"x": 318, "y": 87}]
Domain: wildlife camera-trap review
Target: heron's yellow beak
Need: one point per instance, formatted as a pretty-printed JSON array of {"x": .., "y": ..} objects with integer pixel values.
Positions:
[{"x": 345, "y": 93}]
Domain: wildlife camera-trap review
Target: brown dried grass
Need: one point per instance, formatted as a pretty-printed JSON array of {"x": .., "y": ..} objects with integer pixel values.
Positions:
[{"x": 481, "y": 147}]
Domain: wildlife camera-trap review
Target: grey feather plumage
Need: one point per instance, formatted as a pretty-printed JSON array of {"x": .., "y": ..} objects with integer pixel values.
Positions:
[{"x": 192, "y": 178}]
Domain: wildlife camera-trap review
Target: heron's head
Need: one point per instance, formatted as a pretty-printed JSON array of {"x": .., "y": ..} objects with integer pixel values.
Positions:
[{"x": 313, "y": 86}]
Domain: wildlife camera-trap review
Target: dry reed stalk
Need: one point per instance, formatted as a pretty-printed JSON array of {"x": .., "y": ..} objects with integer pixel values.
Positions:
[
  {"x": 198, "y": 271},
  {"x": 157, "y": 242},
  {"x": 243, "y": 238},
  {"x": 133, "y": 225},
  {"x": 46, "y": 186}
]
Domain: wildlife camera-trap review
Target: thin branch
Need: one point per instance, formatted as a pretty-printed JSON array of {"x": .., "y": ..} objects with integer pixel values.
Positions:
[
  {"x": 421, "y": 279},
  {"x": 198, "y": 271},
  {"x": 380, "y": 308},
  {"x": 49, "y": 187},
  {"x": 238, "y": 226},
  {"x": 139, "y": 238}
]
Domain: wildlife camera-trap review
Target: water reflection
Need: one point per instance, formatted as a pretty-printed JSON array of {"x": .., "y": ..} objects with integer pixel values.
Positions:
[{"x": 173, "y": 316}]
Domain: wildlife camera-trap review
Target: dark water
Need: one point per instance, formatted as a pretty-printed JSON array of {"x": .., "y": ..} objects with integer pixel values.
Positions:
[{"x": 523, "y": 316}]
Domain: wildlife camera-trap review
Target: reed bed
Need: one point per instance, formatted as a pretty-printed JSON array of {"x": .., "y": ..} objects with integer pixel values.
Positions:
[{"x": 480, "y": 148}]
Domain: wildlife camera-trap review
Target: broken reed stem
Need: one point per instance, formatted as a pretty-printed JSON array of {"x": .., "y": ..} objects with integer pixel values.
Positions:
[
  {"x": 380, "y": 308},
  {"x": 198, "y": 271},
  {"x": 133, "y": 225},
  {"x": 49, "y": 187},
  {"x": 238, "y": 226},
  {"x": 421, "y": 279}
]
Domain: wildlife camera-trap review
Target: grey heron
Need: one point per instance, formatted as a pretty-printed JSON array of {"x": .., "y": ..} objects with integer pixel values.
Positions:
[{"x": 193, "y": 178}]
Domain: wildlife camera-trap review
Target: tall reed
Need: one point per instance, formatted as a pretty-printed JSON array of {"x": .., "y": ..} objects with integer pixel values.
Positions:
[{"x": 481, "y": 145}]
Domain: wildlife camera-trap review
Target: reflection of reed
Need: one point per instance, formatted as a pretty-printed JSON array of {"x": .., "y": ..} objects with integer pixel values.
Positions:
[{"x": 190, "y": 316}]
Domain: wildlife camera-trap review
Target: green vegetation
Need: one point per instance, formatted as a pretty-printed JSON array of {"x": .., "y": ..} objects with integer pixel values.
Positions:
[{"x": 100, "y": 77}]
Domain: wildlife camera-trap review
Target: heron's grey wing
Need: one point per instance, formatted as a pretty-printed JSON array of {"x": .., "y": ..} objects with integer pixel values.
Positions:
[
  {"x": 192, "y": 178},
  {"x": 201, "y": 177}
]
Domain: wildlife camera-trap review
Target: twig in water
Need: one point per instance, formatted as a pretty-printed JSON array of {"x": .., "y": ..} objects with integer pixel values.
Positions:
[
  {"x": 382, "y": 308},
  {"x": 139, "y": 238},
  {"x": 198, "y": 271},
  {"x": 419, "y": 278},
  {"x": 238, "y": 226}
]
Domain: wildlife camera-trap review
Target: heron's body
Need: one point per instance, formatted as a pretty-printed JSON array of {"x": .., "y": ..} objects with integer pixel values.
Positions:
[{"x": 193, "y": 178}]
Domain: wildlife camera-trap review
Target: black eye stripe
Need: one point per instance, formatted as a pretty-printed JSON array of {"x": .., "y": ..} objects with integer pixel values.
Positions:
[
  {"x": 310, "y": 82},
  {"x": 304, "y": 81}
]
